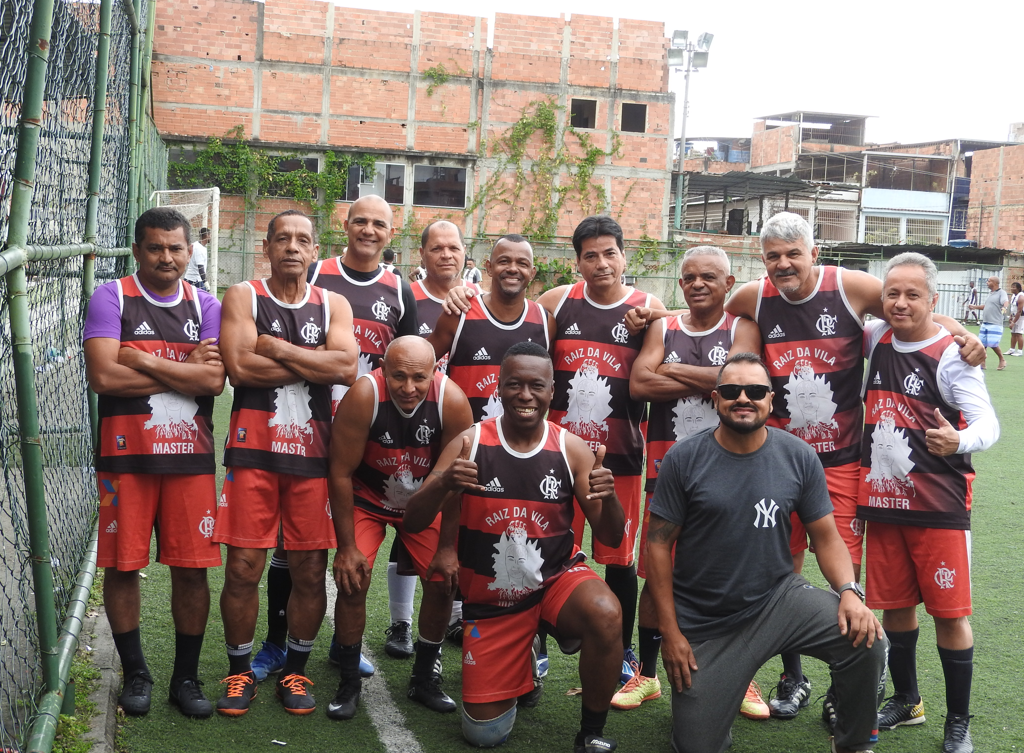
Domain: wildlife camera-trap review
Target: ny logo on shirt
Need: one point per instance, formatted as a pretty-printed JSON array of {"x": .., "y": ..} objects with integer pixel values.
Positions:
[{"x": 768, "y": 513}]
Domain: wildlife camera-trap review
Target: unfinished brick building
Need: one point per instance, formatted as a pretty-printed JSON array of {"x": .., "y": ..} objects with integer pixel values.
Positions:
[
  {"x": 429, "y": 99},
  {"x": 995, "y": 217}
]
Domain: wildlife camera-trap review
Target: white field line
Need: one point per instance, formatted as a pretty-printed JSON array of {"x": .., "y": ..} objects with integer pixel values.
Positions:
[{"x": 376, "y": 701}]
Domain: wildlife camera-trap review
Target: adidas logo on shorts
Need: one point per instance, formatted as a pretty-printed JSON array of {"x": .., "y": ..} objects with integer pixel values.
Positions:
[
  {"x": 877, "y": 379},
  {"x": 112, "y": 528},
  {"x": 672, "y": 357},
  {"x": 276, "y": 326},
  {"x": 777, "y": 332},
  {"x": 468, "y": 658},
  {"x": 482, "y": 355},
  {"x": 144, "y": 329},
  {"x": 425, "y": 330},
  {"x": 572, "y": 329},
  {"x": 494, "y": 485}
]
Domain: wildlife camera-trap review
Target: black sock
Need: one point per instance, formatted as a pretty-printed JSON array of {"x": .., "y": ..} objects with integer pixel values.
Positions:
[
  {"x": 239, "y": 658},
  {"x": 297, "y": 656},
  {"x": 129, "y": 648},
  {"x": 792, "y": 665},
  {"x": 591, "y": 723},
  {"x": 348, "y": 661},
  {"x": 650, "y": 647},
  {"x": 186, "y": 655},
  {"x": 623, "y": 583},
  {"x": 903, "y": 663},
  {"x": 426, "y": 655},
  {"x": 279, "y": 590},
  {"x": 543, "y": 634},
  {"x": 958, "y": 669}
]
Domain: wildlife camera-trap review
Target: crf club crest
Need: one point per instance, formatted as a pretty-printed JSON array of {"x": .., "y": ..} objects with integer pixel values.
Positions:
[
  {"x": 890, "y": 459},
  {"x": 517, "y": 564},
  {"x": 810, "y": 403},
  {"x": 590, "y": 398}
]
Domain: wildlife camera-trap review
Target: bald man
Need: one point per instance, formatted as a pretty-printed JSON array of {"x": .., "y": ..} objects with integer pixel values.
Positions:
[{"x": 396, "y": 421}]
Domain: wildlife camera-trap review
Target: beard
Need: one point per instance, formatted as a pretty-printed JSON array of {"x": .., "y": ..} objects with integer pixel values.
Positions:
[
  {"x": 741, "y": 427},
  {"x": 788, "y": 283}
]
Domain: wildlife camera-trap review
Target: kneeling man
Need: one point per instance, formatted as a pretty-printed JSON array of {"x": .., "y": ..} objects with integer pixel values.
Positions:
[
  {"x": 518, "y": 566},
  {"x": 731, "y": 600}
]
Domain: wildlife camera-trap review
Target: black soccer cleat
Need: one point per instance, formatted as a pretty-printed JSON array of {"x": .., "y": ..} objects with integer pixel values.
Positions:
[
  {"x": 137, "y": 693},
  {"x": 187, "y": 694}
]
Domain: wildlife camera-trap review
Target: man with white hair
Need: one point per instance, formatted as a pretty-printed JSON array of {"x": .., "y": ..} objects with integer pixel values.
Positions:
[{"x": 926, "y": 412}]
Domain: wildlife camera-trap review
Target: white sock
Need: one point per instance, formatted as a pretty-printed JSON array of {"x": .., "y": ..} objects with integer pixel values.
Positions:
[
  {"x": 456, "y": 612},
  {"x": 401, "y": 592}
]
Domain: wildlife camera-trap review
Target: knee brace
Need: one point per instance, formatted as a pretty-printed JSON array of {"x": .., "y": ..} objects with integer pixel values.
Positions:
[{"x": 490, "y": 732}]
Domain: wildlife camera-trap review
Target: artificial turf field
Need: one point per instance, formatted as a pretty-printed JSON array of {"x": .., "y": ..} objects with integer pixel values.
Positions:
[{"x": 998, "y": 580}]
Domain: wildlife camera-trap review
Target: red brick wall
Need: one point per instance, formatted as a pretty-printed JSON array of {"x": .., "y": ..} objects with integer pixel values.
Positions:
[
  {"x": 995, "y": 217},
  {"x": 772, "y": 146}
]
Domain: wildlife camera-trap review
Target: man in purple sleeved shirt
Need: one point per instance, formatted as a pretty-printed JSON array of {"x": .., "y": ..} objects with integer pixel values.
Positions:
[{"x": 151, "y": 355}]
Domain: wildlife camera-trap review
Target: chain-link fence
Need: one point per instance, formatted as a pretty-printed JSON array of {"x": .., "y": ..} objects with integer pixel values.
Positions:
[{"x": 48, "y": 490}]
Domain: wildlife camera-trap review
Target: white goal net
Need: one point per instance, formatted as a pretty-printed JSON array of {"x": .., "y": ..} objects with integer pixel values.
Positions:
[{"x": 202, "y": 207}]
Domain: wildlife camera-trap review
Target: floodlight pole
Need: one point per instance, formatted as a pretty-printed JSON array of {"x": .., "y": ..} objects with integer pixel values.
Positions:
[{"x": 680, "y": 174}]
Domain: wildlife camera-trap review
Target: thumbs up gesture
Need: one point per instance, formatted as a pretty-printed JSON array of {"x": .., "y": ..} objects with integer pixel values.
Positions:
[
  {"x": 461, "y": 474},
  {"x": 602, "y": 483},
  {"x": 944, "y": 440}
]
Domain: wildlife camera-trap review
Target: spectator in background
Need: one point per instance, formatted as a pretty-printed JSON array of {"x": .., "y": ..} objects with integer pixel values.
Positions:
[
  {"x": 196, "y": 272},
  {"x": 471, "y": 273},
  {"x": 388, "y": 260},
  {"x": 992, "y": 319},
  {"x": 970, "y": 300},
  {"x": 1016, "y": 323}
]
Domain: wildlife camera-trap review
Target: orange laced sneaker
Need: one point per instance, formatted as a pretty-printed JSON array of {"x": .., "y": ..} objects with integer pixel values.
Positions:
[
  {"x": 293, "y": 694},
  {"x": 753, "y": 706},
  {"x": 241, "y": 690}
]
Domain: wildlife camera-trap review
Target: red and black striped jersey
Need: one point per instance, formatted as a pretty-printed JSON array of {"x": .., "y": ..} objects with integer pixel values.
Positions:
[
  {"x": 401, "y": 448},
  {"x": 284, "y": 429},
  {"x": 673, "y": 420},
  {"x": 166, "y": 432},
  {"x": 901, "y": 482},
  {"x": 593, "y": 359},
  {"x": 479, "y": 345},
  {"x": 429, "y": 310},
  {"x": 515, "y": 536},
  {"x": 813, "y": 351}
]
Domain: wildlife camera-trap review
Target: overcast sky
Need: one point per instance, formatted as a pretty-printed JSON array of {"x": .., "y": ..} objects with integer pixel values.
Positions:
[{"x": 926, "y": 71}]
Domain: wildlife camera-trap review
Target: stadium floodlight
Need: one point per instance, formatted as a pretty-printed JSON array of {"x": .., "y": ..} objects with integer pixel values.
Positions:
[
  {"x": 704, "y": 41},
  {"x": 687, "y": 56},
  {"x": 679, "y": 38},
  {"x": 700, "y": 60},
  {"x": 676, "y": 58}
]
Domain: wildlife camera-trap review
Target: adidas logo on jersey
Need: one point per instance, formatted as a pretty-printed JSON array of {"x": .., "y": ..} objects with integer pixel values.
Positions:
[
  {"x": 112, "y": 528},
  {"x": 425, "y": 330},
  {"x": 777, "y": 332},
  {"x": 386, "y": 439},
  {"x": 494, "y": 485},
  {"x": 672, "y": 357},
  {"x": 276, "y": 326},
  {"x": 482, "y": 355},
  {"x": 144, "y": 329},
  {"x": 468, "y": 658},
  {"x": 572, "y": 329},
  {"x": 877, "y": 379}
]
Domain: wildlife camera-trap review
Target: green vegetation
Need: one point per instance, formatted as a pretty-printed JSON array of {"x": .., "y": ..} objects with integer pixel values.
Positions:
[{"x": 72, "y": 728}]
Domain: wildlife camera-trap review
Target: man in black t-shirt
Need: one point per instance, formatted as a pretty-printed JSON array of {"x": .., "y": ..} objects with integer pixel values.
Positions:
[{"x": 731, "y": 599}]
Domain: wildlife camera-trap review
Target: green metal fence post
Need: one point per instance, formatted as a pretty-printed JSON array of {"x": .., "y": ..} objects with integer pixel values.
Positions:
[
  {"x": 21, "y": 336},
  {"x": 133, "y": 118}
]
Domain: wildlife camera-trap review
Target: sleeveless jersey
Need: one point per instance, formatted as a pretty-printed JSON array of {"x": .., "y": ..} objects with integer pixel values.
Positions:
[
  {"x": 284, "y": 429},
  {"x": 673, "y": 420},
  {"x": 593, "y": 358},
  {"x": 901, "y": 482},
  {"x": 429, "y": 310},
  {"x": 515, "y": 536},
  {"x": 401, "y": 449},
  {"x": 479, "y": 345},
  {"x": 813, "y": 351},
  {"x": 167, "y": 432},
  {"x": 377, "y": 308}
]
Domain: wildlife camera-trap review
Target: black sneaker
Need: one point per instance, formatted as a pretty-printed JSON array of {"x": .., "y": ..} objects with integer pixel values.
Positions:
[
  {"x": 345, "y": 702},
  {"x": 399, "y": 642},
  {"x": 957, "y": 735},
  {"x": 187, "y": 695},
  {"x": 241, "y": 690},
  {"x": 900, "y": 711},
  {"x": 828, "y": 712},
  {"x": 791, "y": 695},
  {"x": 294, "y": 695},
  {"x": 454, "y": 632},
  {"x": 594, "y": 744},
  {"x": 427, "y": 690},
  {"x": 137, "y": 693}
]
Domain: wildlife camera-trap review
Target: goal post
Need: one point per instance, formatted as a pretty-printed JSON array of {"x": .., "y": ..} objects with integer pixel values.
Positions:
[{"x": 202, "y": 208}]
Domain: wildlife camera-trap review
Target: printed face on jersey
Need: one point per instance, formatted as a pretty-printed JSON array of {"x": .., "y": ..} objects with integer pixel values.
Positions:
[
  {"x": 590, "y": 398},
  {"x": 526, "y": 385},
  {"x": 511, "y": 267},
  {"x": 890, "y": 458},
  {"x": 291, "y": 248},
  {"x": 790, "y": 266},
  {"x": 743, "y": 415},
  {"x": 517, "y": 563},
  {"x": 292, "y": 417},
  {"x": 601, "y": 262},
  {"x": 369, "y": 228},
  {"x": 691, "y": 415},
  {"x": 811, "y": 405},
  {"x": 444, "y": 255},
  {"x": 408, "y": 371},
  {"x": 705, "y": 282},
  {"x": 906, "y": 304},
  {"x": 163, "y": 257},
  {"x": 173, "y": 416}
]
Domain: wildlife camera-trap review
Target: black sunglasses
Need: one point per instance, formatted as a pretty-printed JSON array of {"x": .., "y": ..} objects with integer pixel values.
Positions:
[{"x": 754, "y": 392}]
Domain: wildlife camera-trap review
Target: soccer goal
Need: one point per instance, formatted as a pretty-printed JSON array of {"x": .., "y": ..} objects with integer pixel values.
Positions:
[{"x": 202, "y": 207}]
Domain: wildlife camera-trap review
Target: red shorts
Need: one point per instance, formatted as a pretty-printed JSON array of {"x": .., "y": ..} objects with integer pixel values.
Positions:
[
  {"x": 496, "y": 650},
  {"x": 629, "y": 490},
  {"x": 182, "y": 507},
  {"x": 842, "y": 483},
  {"x": 641, "y": 563},
  {"x": 255, "y": 505},
  {"x": 907, "y": 565},
  {"x": 370, "y": 529}
]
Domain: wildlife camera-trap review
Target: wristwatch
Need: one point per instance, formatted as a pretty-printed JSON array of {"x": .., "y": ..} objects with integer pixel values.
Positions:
[{"x": 852, "y": 586}]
